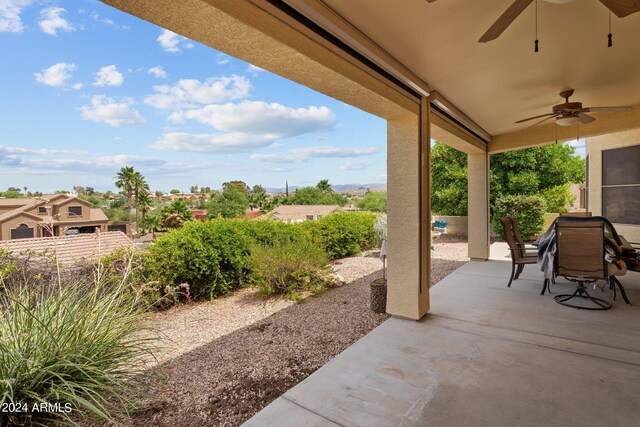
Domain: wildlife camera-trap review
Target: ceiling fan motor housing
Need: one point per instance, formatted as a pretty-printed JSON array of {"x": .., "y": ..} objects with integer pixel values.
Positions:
[{"x": 567, "y": 107}]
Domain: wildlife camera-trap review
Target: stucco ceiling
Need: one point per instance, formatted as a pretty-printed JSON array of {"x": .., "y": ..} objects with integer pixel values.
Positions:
[{"x": 502, "y": 81}]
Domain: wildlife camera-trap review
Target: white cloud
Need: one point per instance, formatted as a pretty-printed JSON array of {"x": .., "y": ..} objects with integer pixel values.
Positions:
[
  {"x": 332, "y": 151},
  {"x": 297, "y": 155},
  {"x": 253, "y": 69},
  {"x": 51, "y": 21},
  {"x": 107, "y": 110},
  {"x": 222, "y": 59},
  {"x": 246, "y": 126},
  {"x": 212, "y": 143},
  {"x": 172, "y": 42},
  {"x": 190, "y": 93},
  {"x": 108, "y": 76},
  {"x": 303, "y": 154},
  {"x": 76, "y": 86},
  {"x": 258, "y": 117},
  {"x": 277, "y": 158},
  {"x": 10, "y": 11},
  {"x": 158, "y": 72},
  {"x": 96, "y": 17},
  {"x": 354, "y": 165},
  {"x": 56, "y": 75}
]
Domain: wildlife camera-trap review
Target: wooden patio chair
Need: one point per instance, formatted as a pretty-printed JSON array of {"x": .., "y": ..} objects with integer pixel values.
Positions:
[
  {"x": 576, "y": 214},
  {"x": 519, "y": 255},
  {"x": 580, "y": 259}
]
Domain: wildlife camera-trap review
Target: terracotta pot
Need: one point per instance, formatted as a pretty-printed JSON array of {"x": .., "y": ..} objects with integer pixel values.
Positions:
[{"x": 379, "y": 295}]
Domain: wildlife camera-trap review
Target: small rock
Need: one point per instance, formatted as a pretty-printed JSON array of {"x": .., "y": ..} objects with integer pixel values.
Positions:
[{"x": 337, "y": 280}]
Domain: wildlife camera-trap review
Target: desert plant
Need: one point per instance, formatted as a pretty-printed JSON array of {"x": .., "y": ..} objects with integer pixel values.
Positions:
[
  {"x": 343, "y": 234},
  {"x": 529, "y": 210},
  {"x": 558, "y": 199},
  {"x": 68, "y": 352},
  {"x": 212, "y": 257},
  {"x": 289, "y": 269},
  {"x": 381, "y": 230}
]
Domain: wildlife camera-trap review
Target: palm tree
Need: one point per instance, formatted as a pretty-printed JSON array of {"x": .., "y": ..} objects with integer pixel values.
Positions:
[
  {"x": 138, "y": 184},
  {"x": 324, "y": 186},
  {"x": 144, "y": 203},
  {"x": 124, "y": 181},
  {"x": 154, "y": 222}
]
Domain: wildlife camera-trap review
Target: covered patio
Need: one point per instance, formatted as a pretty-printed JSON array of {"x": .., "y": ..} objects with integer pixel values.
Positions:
[
  {"x": 480, "y": 353},
  {"x": 484, "y": 355}
]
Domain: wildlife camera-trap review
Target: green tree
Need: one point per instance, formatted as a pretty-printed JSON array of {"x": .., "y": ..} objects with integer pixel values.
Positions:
[
  {"x": 139, "y": 186},
  {"x": 153, "y": 223},
  {"x": 373, "y": 201},
  {"x": 324, "y": 186},
  {"x": 314, "y": 196},
  {"x": 175, "y": 191},
  {"x": 532, "y": 171},
  {"x": 125, "y": 181},
  {"x": 193, "y": 189},
  {"x": 231, "y": 203},
  {"x": 240, "y": 186},
  {"x": 448, "y": 181},
  {"x": 144, "y": 204}
]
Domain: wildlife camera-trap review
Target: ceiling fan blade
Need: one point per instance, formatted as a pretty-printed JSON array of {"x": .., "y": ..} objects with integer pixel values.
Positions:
[
  {"x": 542, "y": 121},
  {"x": 585, "y": 118},
  {"x": 622, "y": 8},
  {"x": 536, "y": 117},
  {"x": 503, "y": 22},
  {"x": 606, "y": 109}
]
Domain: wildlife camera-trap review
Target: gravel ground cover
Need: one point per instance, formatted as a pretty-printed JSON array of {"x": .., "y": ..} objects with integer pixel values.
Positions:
[{"x": 232, "y": 357}]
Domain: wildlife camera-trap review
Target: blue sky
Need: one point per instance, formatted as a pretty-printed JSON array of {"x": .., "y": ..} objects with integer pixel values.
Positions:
[{"x": 87, "y": 89}]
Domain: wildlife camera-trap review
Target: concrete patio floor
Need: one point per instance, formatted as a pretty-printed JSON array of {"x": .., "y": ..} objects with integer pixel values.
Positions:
[{"x": 486, "y": 355}]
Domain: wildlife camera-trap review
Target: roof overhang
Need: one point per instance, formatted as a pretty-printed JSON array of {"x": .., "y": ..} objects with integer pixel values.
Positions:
[{"x": 383, "y": 56}]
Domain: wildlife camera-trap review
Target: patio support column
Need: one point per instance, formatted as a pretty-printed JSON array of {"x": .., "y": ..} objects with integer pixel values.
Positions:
[
  {"x": 408, "y": 223},
  {"x": 479, "y": 221}
]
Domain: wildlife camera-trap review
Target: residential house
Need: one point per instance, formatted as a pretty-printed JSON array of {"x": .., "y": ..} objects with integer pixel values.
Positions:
[
  {"x": 48, "y": 215},
  {"x": 613, "y": 180},
  {"x": 300, "y": 213}
]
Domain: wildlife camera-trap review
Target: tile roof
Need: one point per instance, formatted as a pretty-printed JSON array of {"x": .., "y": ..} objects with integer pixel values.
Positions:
[
  {"x": 300, "y": 212},
  {"x": 70, "y": 249}
]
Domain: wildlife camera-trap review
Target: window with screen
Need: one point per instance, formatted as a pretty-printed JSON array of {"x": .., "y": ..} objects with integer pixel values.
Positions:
[
  {"x": 42, "y": 210},
  {"x": 75, "y": 210},
  {"x": 621, "y": 185}
]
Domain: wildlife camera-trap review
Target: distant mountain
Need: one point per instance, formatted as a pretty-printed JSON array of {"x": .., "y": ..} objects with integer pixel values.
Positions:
[{"x": 338, "y": 188}]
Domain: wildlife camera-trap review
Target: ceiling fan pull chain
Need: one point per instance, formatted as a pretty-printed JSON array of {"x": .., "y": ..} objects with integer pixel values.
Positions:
[
  {"x": 535, "y": 49},
  {"x": 610, "y": 36}
]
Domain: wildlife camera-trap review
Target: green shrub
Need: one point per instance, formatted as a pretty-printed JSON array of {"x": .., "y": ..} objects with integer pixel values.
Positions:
[
  {"x": 289, "y": 268},
  {"x": 557, "y": 199},
  {"x": 530, "y": 211},
  {"x": 268, "y": 231},
  {"x": 76, "y": 347},
  {"x": 343, "y": 234},
  {"x": 212, "y": 257}
]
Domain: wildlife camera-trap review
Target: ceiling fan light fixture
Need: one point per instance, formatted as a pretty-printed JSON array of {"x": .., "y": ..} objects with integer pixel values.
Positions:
[{"x": 566, "y": 120}]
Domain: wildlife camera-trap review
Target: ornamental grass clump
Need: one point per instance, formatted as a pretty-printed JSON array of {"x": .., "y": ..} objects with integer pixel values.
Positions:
[{"x": 68, "y": 353}]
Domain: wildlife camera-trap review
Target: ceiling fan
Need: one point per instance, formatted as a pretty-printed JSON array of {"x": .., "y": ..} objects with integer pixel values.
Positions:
[
  {"x": 569, "y": 113},
  {"x": 621, "y": 8}
]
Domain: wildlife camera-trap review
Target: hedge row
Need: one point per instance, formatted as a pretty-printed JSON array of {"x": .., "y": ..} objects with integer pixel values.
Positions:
[{"x": 210, "y": 258}]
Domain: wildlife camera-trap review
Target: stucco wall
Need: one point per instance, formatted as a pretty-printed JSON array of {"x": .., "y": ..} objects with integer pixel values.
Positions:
[
  {"x": 595, "y": 146},
  {"x": 7, "y": 226},
  {"x": 403, "y": 227}
]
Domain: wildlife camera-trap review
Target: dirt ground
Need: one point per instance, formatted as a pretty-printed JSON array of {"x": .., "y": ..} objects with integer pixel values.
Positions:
[{"x": 232, "y": 357}]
